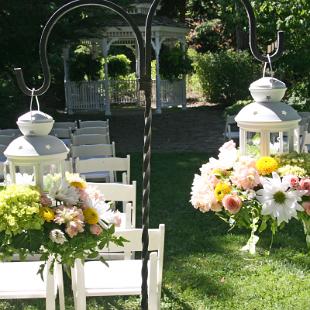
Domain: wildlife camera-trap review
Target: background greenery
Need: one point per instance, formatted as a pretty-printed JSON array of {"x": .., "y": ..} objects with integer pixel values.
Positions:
[{"x": 216, "y": 29}]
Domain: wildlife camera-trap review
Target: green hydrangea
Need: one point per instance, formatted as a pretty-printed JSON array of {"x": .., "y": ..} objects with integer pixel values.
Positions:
[
  {"x": 294, "y": 170},
  {"x": 301, "y": 160},
  {"x": 19, "y": 209}
]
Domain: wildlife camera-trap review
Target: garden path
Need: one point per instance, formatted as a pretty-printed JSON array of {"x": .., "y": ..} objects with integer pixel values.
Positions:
[{"x": 198, "y": 129}]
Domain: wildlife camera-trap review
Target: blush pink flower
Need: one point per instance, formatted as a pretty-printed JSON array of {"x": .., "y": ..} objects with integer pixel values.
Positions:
[
  {"x": 73, "y": 228},
  {"x": 232, "y": 203},
  {"x": 305, "y": 185},
  {"x": 292, "y": 180},
  {"x": 246, "y": 178},
  {"x": 95, "y": 229}
]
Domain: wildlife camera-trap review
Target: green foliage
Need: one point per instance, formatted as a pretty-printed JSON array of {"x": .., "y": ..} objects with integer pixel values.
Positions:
[
  {"x": 174, "y": 63},
  {"x": 118, "y": 65},
  {"x": 84, "y": 67},
  {"x": 224, "y": 76}
]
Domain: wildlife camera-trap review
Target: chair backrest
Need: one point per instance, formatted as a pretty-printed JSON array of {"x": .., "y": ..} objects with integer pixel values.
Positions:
[
  {"x": 6, "y": 139},
  {"x": 86, "y": 139},
  {"x": 110, "y": 164},
  {"x": 92, "y": 130},
  {"x": 120, "y": 192},
  {"x": 10, "y": 132},
  {"x": 65, "y": 125},
  {"x": 62, "y": 132},
  {"x": 228, "y": 132},
  {"x": 84, "y": 124},
  {"x": 91, "y": 151}
]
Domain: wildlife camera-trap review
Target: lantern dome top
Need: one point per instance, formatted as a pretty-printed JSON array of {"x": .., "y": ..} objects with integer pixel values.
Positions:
[
  {"x": 265, "y": 112},
  {"x": 267, "y": 89},
  {"x": 35, "y": 123},
  {"x": 267, "y": 83},
  {"x": 35, "y": 117},
  {"x": 44, "y": 147}
]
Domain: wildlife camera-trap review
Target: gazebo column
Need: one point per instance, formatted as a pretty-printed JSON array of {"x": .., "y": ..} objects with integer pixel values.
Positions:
[
  {"x": 105, "y": 52},
  {"x": 183, "y": 44},
  {"x": 136, "y": 52},
  {"x": 157, "y": 46}
]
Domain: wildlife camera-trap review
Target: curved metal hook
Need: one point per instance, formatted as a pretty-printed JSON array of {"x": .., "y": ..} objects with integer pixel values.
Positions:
[
  {"x": 253, "y": 40},
  {"x": 48, "y": 28}
]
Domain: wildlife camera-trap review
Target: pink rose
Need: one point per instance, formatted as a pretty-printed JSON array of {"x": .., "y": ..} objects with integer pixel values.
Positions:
[
  {"x": 45, "y": 201},
  {"x": 292, "y": 180},
  {"x": 232, "y": 203},
  {"x": 306, "y": 206},
  {"x": 246, "y": 178},
  {"x": 305, "y": 185},
  {"x": 95, "y": 229}
]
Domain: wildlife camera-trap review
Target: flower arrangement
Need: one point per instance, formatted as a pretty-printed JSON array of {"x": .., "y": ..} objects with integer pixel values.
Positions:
[
  {"x": 68, "y": 220},
  {"x": 255, "y": 193}
]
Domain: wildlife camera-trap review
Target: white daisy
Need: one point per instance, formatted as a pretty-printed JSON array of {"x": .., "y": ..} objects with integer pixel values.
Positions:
[
  {"x": 278, "y": 200},
  {"x": 61, "y": 190}
]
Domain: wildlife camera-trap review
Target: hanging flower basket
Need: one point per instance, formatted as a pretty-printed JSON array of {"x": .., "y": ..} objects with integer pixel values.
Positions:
[
  {"x": 66, "y": 220},
  {"x": 255, "y": 193}
]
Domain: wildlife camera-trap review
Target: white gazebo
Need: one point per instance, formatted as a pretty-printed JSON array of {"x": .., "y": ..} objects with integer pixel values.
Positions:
[{"x": 98, "y": 95}]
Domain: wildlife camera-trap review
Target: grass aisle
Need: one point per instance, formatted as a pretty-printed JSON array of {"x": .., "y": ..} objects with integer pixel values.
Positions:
[{"x": 203, "y": 267}]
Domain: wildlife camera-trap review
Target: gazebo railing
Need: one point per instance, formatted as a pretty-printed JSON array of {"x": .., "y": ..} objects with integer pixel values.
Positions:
[{"x": 89, "y": 96}]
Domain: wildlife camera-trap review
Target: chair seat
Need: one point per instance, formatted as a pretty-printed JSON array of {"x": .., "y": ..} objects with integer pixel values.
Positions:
[
  {"x": 121, "y": 277},
  {"x": 21, "y": 278}
]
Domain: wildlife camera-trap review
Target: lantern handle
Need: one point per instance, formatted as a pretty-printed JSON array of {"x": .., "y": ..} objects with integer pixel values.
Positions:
[
  {"x": 270, "y": 66},
  {"x": 31, "y": 100},
  {"x": 253, "y": 39}
]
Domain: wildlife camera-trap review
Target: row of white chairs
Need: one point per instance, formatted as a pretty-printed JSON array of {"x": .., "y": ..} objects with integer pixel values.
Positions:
[{"x": 91, "y": 278}]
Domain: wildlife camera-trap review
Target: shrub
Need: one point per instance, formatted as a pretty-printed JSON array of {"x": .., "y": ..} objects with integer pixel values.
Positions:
[
  {"x": 119, "y": 65},
  {"x": 225, "y": 76}
]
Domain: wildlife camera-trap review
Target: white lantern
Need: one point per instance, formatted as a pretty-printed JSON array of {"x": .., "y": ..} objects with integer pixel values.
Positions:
[
  {"x": 35, "y": 153},
  {"x": 268, "y": 126}
]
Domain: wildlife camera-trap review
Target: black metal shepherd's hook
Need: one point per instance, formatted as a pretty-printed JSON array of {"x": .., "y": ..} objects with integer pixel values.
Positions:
[{"x": 145, "y": 82}]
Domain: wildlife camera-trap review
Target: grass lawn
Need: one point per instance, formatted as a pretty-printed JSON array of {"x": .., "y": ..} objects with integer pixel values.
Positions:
[{"x": 203, "y": 267}]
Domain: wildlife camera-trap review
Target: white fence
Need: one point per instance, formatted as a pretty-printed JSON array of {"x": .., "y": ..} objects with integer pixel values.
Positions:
[{"x": 90, "y": 96}]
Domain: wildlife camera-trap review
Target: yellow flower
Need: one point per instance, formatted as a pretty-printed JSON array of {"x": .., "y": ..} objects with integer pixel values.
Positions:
[
  {"x": 221, "y": 190},
  {"x": 91, "y": 216},
  {"x": 47, "y": 214},
  {"x": 266, "y": 165},
  {"x": 76, "y": 181}
]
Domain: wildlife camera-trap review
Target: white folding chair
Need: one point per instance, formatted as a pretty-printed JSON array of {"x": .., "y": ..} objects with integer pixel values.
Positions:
[
  {"x": 71, "y": 125},
  {"x": 229, "y": 133},
  {"x": 93, "y": 130},
  {"x": 21, "y": 280},
  {"x": 122, "y": 277},
  {"x": 126, "y": 193},
  {"x": 84, "y": 124},
  {"x": 94, "y": 168},
  {"x": 87, "y": 139},
  {"x": 92, "y": 151},
  {"x": 6, "y": 139},
  {"x": 10, "y": 132}
]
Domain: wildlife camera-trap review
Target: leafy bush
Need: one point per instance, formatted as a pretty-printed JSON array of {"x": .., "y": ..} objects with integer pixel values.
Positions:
[
  {"x": 84, "y": 67},
  {"x": 174, "y": 63},
  {"x": 225, "y": 76},
  {"x": 119, "y": 65},
  {"x": 236, "y": 107}
]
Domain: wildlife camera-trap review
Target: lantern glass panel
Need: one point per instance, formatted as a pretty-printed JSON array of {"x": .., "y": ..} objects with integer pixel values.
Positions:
[
  {"x": 279, "y": 142},
  {"x": 23, "y": 175},
  {"x": 253, "y": 143}
]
